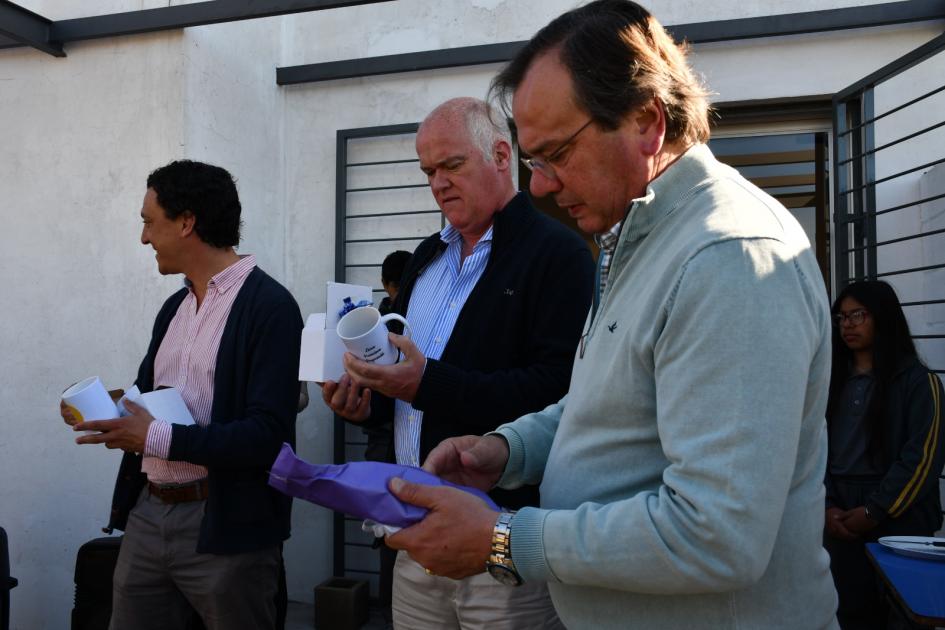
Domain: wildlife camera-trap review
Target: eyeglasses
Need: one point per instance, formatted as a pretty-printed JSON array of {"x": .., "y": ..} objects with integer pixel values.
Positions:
[
  {"x": 544, "y": 165},
  {"x": 854, "y": 318}
]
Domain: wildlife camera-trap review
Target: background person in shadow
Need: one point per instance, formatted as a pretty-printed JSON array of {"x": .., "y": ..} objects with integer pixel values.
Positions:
[
  {"x": 380, "y": 437},
  {"x": 392, "y": 269},
  {"x": 887, "y": 446}
]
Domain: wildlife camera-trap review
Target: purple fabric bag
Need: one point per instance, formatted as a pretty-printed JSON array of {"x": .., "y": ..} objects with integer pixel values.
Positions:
[{"x": 356, "y": 488}]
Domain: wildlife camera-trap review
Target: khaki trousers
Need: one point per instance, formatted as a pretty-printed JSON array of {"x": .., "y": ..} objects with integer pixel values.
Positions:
[
  {"x": 160, "y": 578},
  {"x": 430, "y": 602}
]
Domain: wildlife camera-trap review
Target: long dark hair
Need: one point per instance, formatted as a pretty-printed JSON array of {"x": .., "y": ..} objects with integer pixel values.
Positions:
[{"x": 892, "y": 346}]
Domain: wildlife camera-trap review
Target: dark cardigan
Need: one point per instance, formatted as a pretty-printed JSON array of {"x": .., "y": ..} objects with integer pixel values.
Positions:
[
  {"x": 255, "y": 399},
  {"x": 511, "y": 350},
  {"x": 906, "y": 500}
]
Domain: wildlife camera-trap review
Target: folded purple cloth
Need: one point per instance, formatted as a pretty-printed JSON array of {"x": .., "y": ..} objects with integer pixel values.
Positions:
[{"x": 356, "y": 488}]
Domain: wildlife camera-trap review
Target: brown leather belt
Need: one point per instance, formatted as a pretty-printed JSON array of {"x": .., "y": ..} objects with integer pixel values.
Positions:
[{"x": 180, "y": 493}]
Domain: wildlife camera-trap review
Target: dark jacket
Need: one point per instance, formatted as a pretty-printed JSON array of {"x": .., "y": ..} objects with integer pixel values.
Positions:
[
  {"x": 511, "y": 350},
  {"x": 255, "y": 397},
  {"x": 913, "y": 446}
]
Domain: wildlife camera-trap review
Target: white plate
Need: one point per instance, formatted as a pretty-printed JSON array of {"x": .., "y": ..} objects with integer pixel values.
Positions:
[{"x": 914, "y": 546}]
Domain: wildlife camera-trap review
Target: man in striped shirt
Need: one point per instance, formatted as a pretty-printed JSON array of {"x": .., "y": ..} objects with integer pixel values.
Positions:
[
  {"x": 202, "y": 528},
  {"x": 495, "y": 302}
]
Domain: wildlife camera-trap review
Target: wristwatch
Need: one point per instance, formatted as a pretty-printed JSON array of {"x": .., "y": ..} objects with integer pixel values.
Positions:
[{"x": 500, "y": 565}]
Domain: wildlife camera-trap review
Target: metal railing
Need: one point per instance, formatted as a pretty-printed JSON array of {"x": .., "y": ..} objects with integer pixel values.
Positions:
[
  {"x": 884, "y": 226},
  {"x": 373, "y": 182}
]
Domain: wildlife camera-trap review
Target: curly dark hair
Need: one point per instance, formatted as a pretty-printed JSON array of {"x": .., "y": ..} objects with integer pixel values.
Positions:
[
  {"x": 208, "y": 192},
  {"x": 619, "y": 57}
]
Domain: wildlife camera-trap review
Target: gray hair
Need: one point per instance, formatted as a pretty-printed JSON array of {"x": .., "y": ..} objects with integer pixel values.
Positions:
[{"x": 484, "y": 123}]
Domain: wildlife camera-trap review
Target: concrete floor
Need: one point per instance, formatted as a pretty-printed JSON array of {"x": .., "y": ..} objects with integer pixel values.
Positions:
[{"x": 301, "y": 616}]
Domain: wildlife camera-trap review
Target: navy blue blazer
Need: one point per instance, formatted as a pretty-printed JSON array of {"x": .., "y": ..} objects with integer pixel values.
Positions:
[{"x": 513, "y": 344}]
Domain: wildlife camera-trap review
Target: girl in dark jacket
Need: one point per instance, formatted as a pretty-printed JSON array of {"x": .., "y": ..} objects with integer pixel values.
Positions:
[{"x": 887, "y": 445}]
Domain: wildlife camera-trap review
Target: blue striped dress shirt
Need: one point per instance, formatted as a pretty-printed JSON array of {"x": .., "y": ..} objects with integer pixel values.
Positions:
[{"x": 435, "y": 304}]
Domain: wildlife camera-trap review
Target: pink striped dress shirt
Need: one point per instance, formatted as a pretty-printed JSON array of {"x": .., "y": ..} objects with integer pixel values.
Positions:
[{"x": 187, "y": 360}]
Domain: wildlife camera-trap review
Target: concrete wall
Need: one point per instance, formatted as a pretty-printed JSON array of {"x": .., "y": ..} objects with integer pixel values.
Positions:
[{"x": 80, "y": 135}]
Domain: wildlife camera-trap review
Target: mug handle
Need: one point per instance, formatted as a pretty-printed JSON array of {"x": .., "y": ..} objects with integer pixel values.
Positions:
[{"x": 398, "y": 318}]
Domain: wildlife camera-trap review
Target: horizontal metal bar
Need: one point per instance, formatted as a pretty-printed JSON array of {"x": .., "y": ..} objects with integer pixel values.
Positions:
[
  {"x": 392, "y": 214},
  {"x": 28, "y": 28},
  {"x": 385, "y": 240},
  {"x": 186, "y": 15},
  {"x": 896, "y": 66},
  {"x": 353, "y": 164},
  {"x": 890, "y": 144},
  {"x": 372, "y": 265},
  {"x": 852, "y": 218},
  {"x": 928, "y": 336},
  {"x": 893, "y": 176},
  {"x": 404, "y": 62},
  {"x": 695, "y": 33},
  {"x": 922, "y": 303},
  {"x": 351, "y": 190},
  {"x": 891, "y": 111},
  {"x": 893, "y": 240},
  {"x": 377, "y": 132},
  {"x": 912, "y": 270},
  {"x": 865, "y": 16},
  {"x": 367, "y": 571},
  {"x": 358, "y": 544},
  {"x": 910, "y": 204}
]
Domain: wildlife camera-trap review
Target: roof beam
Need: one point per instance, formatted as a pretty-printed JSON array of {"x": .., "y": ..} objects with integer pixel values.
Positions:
[
  {"x": 25, "y": 27},
  {"x": 864, "y": 16},
  {"x": 185, "y": 15},
  {"x": 406, "y": 62},
  {"x": 695, "y": 33}
]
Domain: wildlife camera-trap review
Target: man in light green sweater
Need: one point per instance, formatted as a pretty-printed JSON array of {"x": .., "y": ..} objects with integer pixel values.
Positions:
[{"x": 681, "y": 477}]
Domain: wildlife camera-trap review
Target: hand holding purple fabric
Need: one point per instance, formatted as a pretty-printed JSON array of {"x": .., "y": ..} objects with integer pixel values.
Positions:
[{"x": 357, "y": 488}]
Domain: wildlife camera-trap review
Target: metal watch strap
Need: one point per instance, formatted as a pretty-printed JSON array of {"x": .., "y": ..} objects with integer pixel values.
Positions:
[
  {"x": 502, "y": 537},
  {"x": 500, "y": 565}
]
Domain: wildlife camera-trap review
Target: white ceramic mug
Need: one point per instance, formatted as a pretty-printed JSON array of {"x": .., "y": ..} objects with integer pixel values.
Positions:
[
  {"x": 89, "y": 400},
  {"x": 364, "y": 333}
]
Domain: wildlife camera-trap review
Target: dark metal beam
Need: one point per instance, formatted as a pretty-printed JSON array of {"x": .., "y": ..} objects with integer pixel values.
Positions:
[
  {"x": 695, "y": 33},
  {"x": 185, "y": 15},
  {"x": 407, "y": 62},
  {"x": 864, "y": 16},
  {"x": 25, "y": 27}
]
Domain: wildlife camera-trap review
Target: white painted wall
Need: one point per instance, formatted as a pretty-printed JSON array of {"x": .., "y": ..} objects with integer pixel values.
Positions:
[{"x": 80, "y": 135}]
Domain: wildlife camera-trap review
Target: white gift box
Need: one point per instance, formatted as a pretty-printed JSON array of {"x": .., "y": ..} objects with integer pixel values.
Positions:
[{"x": 322, "y": 350}]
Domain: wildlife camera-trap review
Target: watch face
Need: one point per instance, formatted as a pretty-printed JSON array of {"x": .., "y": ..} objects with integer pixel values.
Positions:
[{"x": 504, "y": 575}]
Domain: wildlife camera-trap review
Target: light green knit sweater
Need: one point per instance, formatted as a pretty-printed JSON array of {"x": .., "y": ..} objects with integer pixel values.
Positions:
[{"x": 681, "y": 478}]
